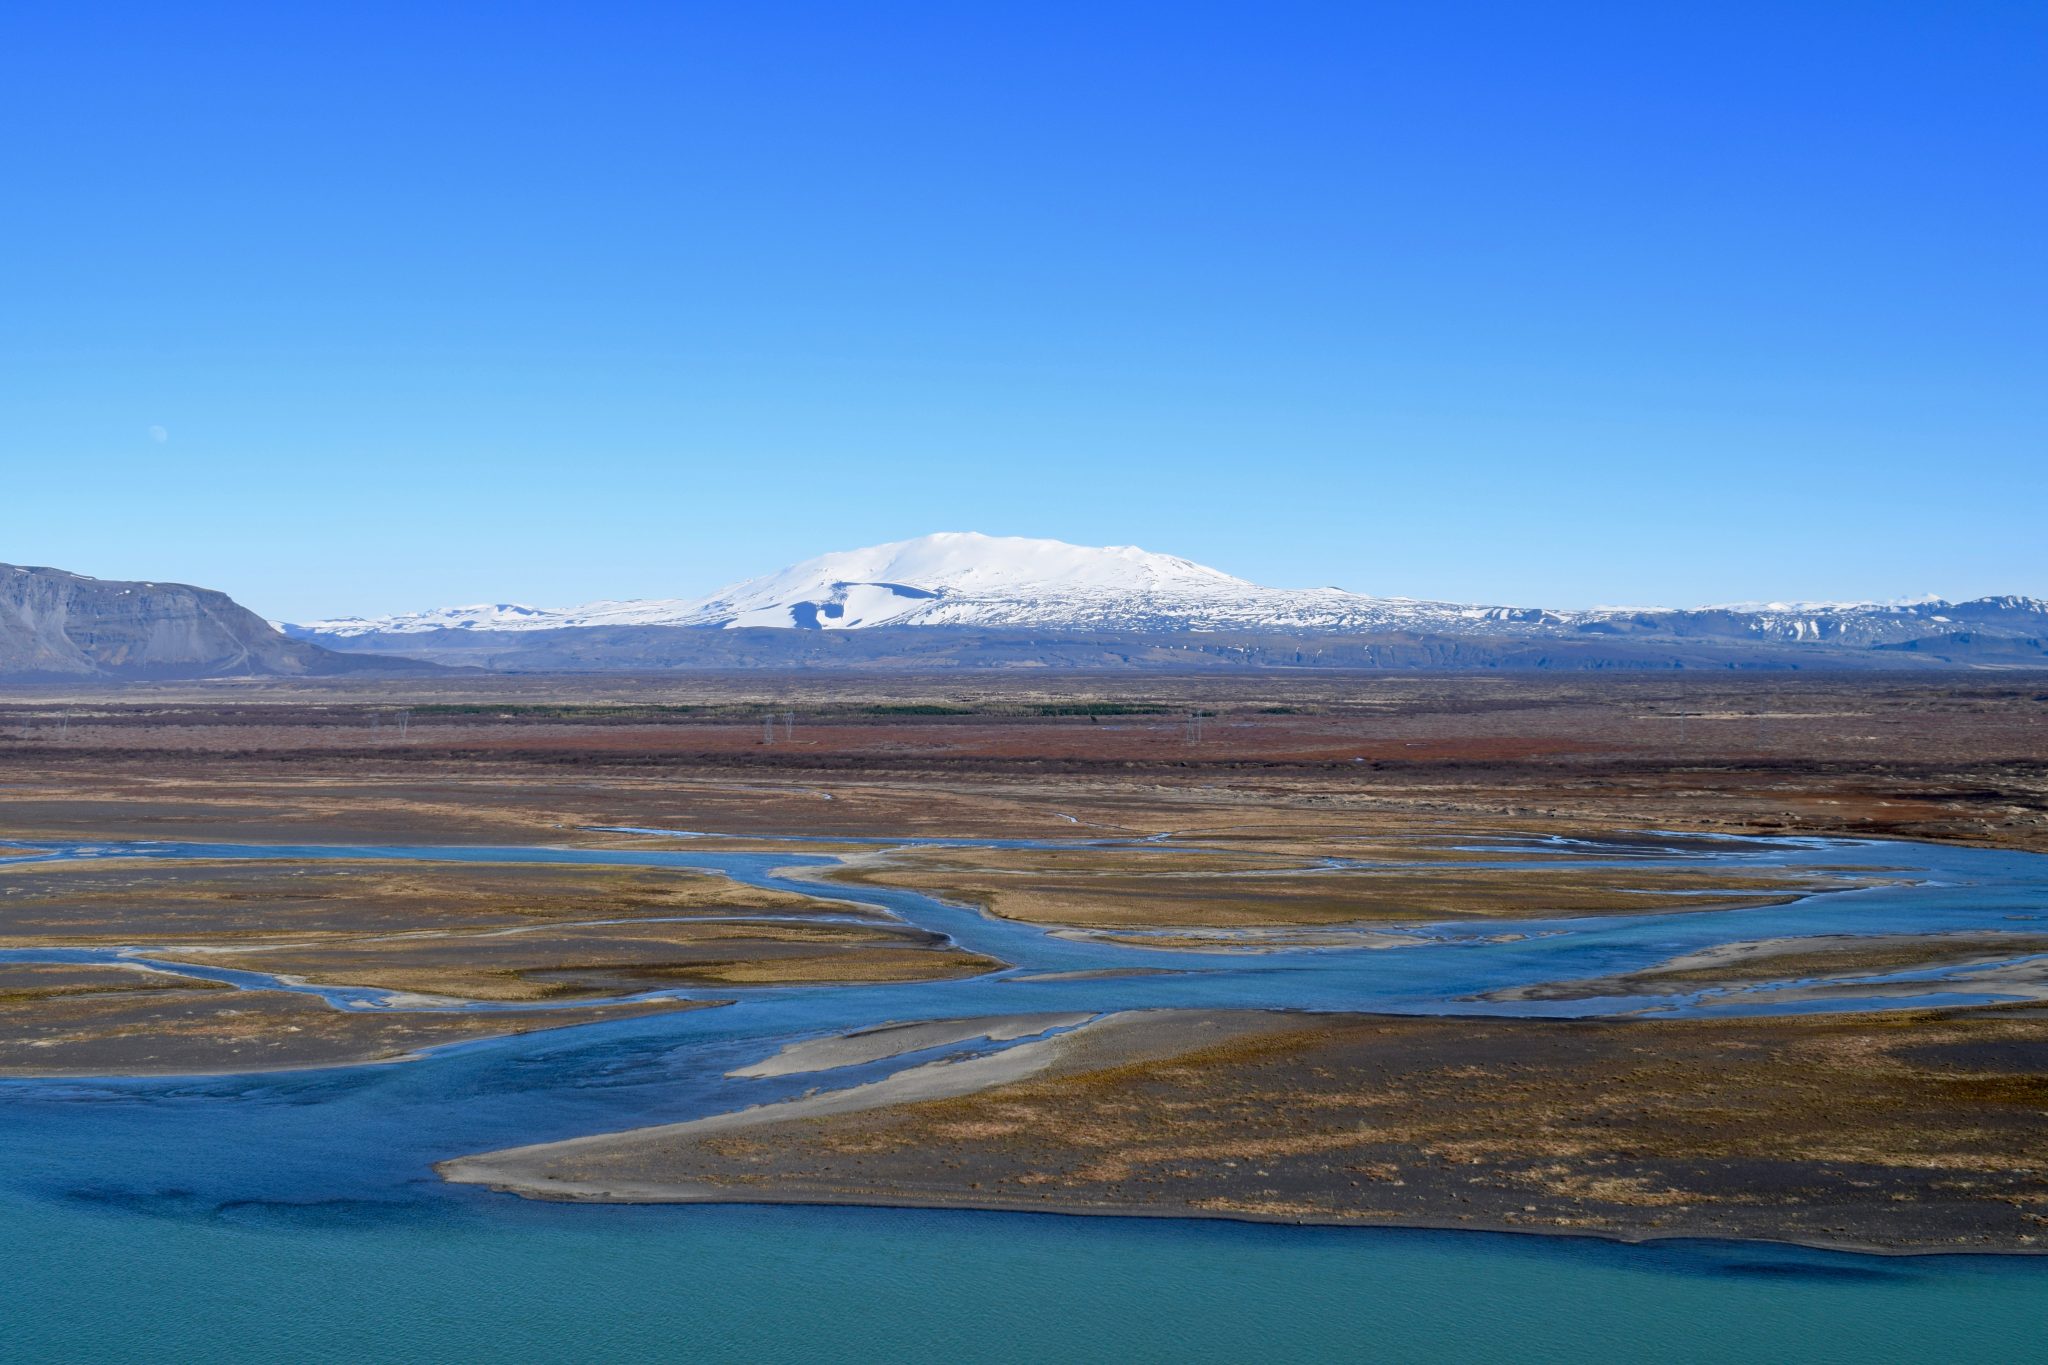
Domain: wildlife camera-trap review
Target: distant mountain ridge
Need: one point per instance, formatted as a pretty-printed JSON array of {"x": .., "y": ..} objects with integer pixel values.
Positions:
[
  {"x": 961, "y": 601},
  {"x": 56, "y": 625},
  {"x": 965, "y": 581}
]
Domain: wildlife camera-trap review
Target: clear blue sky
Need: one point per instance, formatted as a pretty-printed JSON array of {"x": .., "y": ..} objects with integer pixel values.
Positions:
[{"x": 1559, "y": 303}]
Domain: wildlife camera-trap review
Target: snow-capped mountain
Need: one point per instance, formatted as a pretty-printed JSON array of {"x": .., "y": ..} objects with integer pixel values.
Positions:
[
  {"x": 962, "y": 578},
  {"x": 968, "y": 580},
  {"x": 965, "y": 579}
]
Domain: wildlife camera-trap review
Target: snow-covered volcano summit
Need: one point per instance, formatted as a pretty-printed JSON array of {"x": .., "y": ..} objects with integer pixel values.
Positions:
[{"x": 964, "y": 578}]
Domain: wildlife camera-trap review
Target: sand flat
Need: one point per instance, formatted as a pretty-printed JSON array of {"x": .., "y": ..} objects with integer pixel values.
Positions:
[{"x": 894, "y": 1040}]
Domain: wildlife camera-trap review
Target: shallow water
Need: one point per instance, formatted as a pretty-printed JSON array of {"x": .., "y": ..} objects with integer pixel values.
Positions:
[
  {"x": 296, "y": 1215},
  {"x": 570, "y": 1283}
]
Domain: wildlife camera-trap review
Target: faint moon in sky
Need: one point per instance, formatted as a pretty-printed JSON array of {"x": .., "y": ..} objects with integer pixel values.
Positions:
[{"x": 159, "y": 435}]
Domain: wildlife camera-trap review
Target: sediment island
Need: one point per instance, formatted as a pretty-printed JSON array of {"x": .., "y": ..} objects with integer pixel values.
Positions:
[{"x": 1918, "y": 1132}]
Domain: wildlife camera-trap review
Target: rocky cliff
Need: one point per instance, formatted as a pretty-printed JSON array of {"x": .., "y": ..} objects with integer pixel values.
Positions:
[{"x": 56, "y": 625}]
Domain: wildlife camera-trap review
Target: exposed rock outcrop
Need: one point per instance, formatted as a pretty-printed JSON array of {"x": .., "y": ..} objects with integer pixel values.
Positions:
[{"x": 56, "y": 625}]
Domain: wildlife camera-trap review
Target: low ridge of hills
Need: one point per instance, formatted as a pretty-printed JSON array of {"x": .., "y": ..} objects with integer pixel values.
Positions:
[
  {"x": 59, "y": 626},
  {"x": 960, "y": 599}
]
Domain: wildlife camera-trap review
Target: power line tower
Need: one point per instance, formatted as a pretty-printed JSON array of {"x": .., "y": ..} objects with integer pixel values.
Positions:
[{"x": 768, "y": 728}]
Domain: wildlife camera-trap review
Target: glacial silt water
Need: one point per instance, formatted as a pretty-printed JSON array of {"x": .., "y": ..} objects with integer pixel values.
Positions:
[{"x": 296, "y": 1215}]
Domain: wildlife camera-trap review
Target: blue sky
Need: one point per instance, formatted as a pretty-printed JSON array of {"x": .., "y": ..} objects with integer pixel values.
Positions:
[{"x": 1546, "y": 303}]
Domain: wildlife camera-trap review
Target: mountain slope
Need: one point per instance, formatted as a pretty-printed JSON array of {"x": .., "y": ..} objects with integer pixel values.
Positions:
[
  {"x": 965, "y": 582},
  {"x": 962, "y": 578},
  {"x": 56, "y": 625},
  {"x": 924, "y": 649}
]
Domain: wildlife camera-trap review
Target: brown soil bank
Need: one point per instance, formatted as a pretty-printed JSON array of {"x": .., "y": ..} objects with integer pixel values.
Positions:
[
  {"x": 1921, "y": 1131},
  {"x": 1126, "y": 889},
  {"x": 479, "y": 931},
  {"x": 468, "y": 931},
  {"x": 115, "y": 1021}
]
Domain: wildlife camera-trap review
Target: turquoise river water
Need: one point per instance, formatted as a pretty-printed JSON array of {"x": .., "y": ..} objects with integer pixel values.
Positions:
[{"x": 295, "y": 1216}]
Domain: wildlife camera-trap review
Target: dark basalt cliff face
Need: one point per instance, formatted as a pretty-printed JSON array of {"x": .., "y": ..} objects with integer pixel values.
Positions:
[{"x": 56, "y": 626}]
